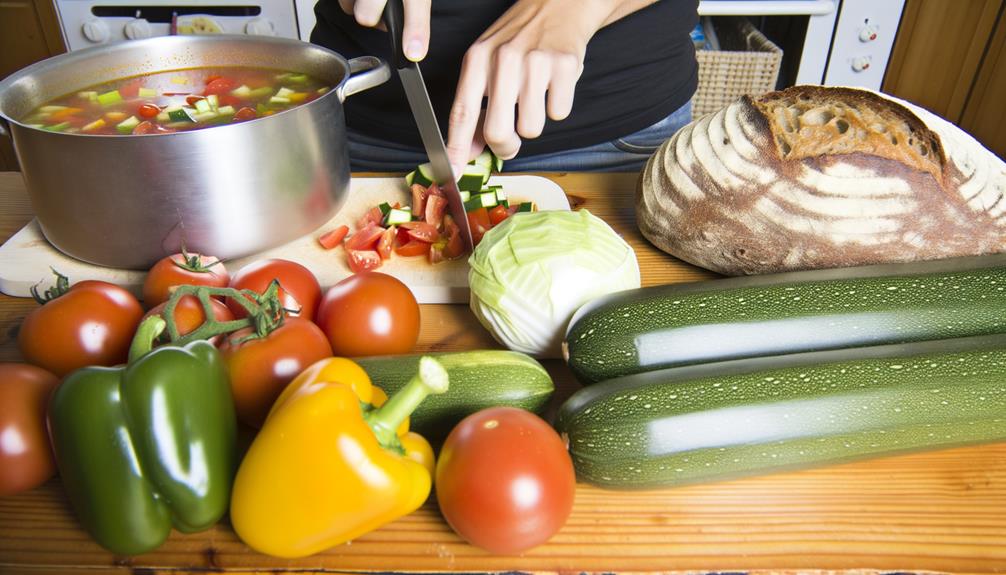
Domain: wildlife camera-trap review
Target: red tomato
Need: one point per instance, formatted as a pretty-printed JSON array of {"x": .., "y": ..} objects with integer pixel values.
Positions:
[
  {"x": 434, "y": 214},
  {"x": 220, "y": 86},
  {"x": 478, "y": 222},
  {"x": 365, "y": 238},
  {"x": 386, "y": 242},
  {"x": 182, "y": 269},
  {"x": 131, "y": 90},
  {"x": 189, "y": 313},
  {"x": 244, "y": 114},
  {"x": 145, "y": 127},
  {"x": 455, "y": 245},
  {"x": 299, "y": 289},
  {"x": 422, "y": 231},
  {"x": 412, "y": 248},
  {"x": 504, "y": 480},
  {"x": 259, "y": 369},
  {"x": 191, "y": 100},
  {"x": 91, "y": 324},
  {"x": 498, "y": 214},
  {"x": 148, "y": 111},
  {"x": 334, "y": 237},
  {"x": 419, "y": 194},
  {"x": 25, "y": 455},
  {"x": 363, "y": 260},
  {"x": 369, "y": 313},
  {"x": 372, "y": 217}
]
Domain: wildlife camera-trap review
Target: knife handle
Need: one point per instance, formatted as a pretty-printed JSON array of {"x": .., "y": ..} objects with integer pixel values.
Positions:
[{"x": 394, "y": 19}]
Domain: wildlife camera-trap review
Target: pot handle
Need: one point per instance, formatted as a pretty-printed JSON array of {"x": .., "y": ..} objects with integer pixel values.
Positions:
[{"x": 365, "y": 73}]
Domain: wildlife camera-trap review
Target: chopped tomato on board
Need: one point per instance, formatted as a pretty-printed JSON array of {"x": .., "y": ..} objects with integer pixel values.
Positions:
[
  {"x": 478, "y": 222},
  {"x": 362, "y": 260},
  {"x": 412, "y": 248},
  {"x": 332, "y": 238},
  {"x": 386, "y": 243},
  {"x": 498, "y": 214},
  {"x": 419, "y": 195},
  {"x": 366, "y": 238},
  {"x": 372, "y": 216},
  {"x": 435, "y": 208},
  {"x": 422, "y": 231}
]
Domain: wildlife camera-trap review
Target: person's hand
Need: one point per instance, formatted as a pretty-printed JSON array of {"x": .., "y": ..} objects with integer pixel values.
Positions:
[
  {"x": 415, "y": 27},
  {"x": 530, "y": 58}
]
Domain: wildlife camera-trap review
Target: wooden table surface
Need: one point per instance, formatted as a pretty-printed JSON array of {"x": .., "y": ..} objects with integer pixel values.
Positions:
[{"x": 937, "y": 511}]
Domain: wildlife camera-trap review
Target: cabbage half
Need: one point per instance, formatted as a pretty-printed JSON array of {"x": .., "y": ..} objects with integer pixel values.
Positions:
[{"x": 530, "y": 273}]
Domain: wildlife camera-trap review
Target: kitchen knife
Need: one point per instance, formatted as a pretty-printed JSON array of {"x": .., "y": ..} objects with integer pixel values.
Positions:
[{"x": 426, "y": 120}]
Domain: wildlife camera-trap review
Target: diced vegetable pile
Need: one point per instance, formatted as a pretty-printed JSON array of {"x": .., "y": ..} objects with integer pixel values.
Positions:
[{"x": 425, "y": 227}]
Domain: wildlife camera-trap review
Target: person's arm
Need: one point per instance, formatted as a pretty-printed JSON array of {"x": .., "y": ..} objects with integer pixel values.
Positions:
[{"x": 530, "y": 58}]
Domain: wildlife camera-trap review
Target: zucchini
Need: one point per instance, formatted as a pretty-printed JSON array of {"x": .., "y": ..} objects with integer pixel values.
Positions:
[
  {"x": 681, "y": 324},
  {"x": 744, "y": 417},
  {"x": 478, "y": 379}
]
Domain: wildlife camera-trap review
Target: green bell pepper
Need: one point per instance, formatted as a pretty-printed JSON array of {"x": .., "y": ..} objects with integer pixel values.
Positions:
[{"x": 149, "y": 445}]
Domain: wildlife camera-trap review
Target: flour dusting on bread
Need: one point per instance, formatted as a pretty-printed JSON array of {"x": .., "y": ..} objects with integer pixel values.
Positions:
[{"x": 813, "y": 177}]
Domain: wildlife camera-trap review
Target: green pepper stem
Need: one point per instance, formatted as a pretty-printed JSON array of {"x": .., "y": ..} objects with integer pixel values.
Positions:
[
  {"x": 149, "y": 330},
  {"x": 431, "y": 379}
]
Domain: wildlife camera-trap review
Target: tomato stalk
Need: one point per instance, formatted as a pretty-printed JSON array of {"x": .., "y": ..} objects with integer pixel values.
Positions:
[
  {"x": 265, "y": 312},
  {"x": 62, "y": 286},
  {"x": 194, "y": 263}
]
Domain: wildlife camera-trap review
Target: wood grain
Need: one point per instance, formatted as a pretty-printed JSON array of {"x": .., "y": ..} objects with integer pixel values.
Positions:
[
  {"x": 938, "y": 51},
  {"x": 985, "y": 114},
  {"x": 938, "y": 511}
]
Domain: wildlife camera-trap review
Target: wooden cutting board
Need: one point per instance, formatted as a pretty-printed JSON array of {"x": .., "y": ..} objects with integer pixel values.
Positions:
[{"x": 26, "y": 259}]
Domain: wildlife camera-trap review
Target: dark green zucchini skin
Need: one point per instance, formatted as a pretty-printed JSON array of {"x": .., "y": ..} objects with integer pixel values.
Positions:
[
  {"x": 745, "y": 417},
  {"x": 682, "y": 324},
  {"x": 478, "y": 379}
]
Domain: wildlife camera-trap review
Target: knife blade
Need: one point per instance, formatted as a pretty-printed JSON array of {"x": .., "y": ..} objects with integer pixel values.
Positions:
[{"x": 426, "y": 120}]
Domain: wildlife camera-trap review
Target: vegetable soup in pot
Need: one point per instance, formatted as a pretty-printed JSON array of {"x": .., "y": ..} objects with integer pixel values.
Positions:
[{"x": 176, "y": 100}]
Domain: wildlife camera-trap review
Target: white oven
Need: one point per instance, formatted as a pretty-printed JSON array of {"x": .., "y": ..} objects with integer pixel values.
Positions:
[
  {"x": 846, "y": 43},
  {"x": 88, "y": 23}
]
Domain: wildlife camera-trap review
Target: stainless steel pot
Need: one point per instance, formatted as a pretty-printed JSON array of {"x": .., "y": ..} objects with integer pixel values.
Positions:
[{"x": 229, "y": 191}]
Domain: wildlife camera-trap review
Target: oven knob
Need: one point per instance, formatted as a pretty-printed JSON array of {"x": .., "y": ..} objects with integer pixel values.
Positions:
[
  {"x": 868, "y": 33},
  {"x": 260, "y": 27},
  {"x": 137, "y": 29},
  {"x": 95, "y": 30},
  {"x": 861, "y": 63}
]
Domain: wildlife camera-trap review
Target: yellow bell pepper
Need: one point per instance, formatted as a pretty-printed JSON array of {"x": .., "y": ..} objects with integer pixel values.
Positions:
[{"x": 333, "y": 460}]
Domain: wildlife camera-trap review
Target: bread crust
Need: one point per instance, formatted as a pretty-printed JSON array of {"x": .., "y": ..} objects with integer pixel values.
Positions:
[{"x": 739, "y": 193}]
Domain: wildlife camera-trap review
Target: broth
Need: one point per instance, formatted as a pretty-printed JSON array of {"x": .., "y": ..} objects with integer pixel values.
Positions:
[{"x": 176, "y": 100}]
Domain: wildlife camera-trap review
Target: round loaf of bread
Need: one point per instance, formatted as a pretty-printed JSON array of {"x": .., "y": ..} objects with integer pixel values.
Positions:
[{"x": 820, "y": 177}]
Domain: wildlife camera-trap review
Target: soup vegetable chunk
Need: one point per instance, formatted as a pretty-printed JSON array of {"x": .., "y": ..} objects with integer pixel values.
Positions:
[{"x": 176, "y": 100}]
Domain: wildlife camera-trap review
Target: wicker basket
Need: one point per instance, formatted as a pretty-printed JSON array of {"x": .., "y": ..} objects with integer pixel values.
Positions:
[{"x": 748, "y": 63}]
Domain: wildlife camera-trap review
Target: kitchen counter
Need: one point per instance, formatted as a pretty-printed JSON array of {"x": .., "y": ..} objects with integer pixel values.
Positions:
[{"x": 937, "y": 511}]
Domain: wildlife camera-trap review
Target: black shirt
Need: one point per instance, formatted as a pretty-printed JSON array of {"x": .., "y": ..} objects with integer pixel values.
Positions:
[{"x": 637, "y": 71}]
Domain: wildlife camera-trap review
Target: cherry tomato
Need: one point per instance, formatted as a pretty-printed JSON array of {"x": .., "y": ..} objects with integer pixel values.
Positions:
[
  {"x": 182, "y": 269},
  {"x": 148, "y": 110},
  {"x": 220, "y": 86},
  {"x": 369, "y": 313},
  {"x": 91, "y": 324},
  {"x": 363, "y": 260},
  {"x": 504, "y": 480},
  {"x": 189, "y": 313},
  {"x": 299, "y": 289},
  {"x": 259, "y": 369},
  {"x": 244, "y": 114},
  {"x": 25, "y": 455}
]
